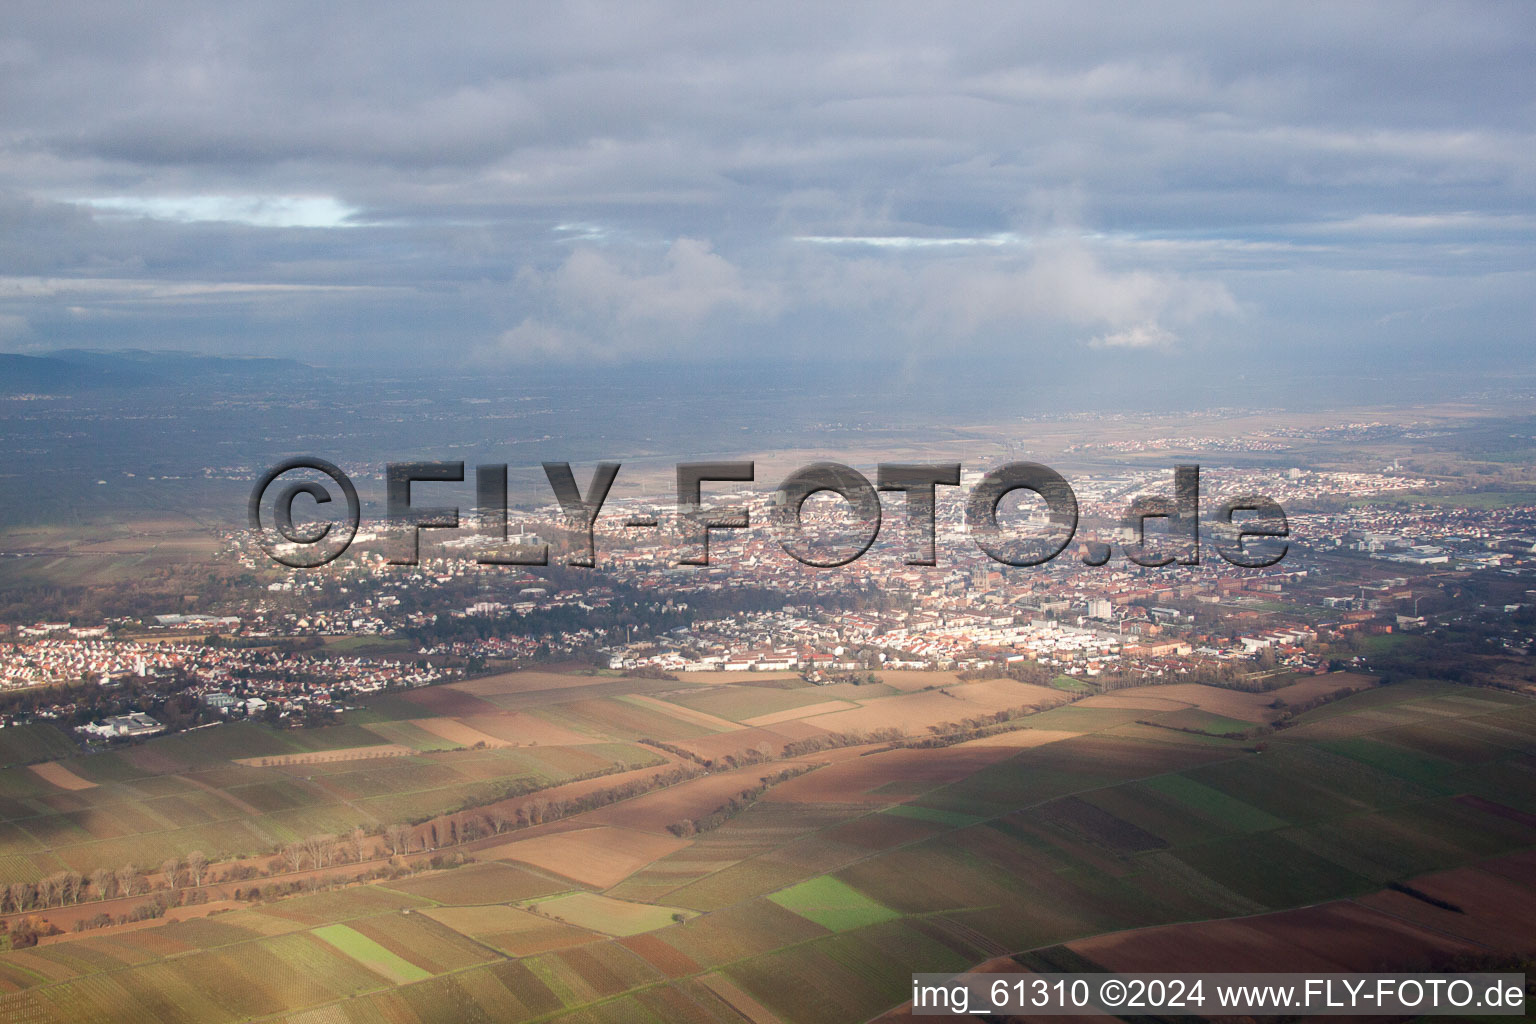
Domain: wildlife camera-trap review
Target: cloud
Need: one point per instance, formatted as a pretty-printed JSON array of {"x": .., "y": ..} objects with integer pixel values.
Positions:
[
  {"x": 599, "y": 306},
  {"x": 1059, "y": 288},
  {"x": 1147, "y": 335},
  {"x": 988, "y": 177},
  {"x": 256, "y": 211}
]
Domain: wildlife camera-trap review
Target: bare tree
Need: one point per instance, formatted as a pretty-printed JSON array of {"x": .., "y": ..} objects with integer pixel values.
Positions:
[
  {"x": 197, "y": 864},
  {"x": 315, "y": 848},
  {"x": 128, "y": 879},
  {"x": 293, "y": 856},
  {"x": 171, "y": 869},
  {"x": 499, "y": 819},
  {"x": 104, "y": 884},
  {"x": 47, "y": 889},
  {"x": 74, "y": 883},
  {"x": 399, "y": 839},
  {"x": 359, "y": 844},
  {"x": 22, "y": 895}
]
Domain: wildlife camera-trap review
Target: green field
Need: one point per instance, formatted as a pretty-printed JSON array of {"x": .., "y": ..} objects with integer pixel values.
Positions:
[
  {"x": 950, "y": 818},
  {"x": 370, "y": 954},
  {"x": 833, "y": 904},
  {"x": 26, "y": 744}
]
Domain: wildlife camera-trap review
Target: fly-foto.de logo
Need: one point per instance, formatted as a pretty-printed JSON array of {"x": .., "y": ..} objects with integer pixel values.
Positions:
[{"x": 1235, "y": 522}]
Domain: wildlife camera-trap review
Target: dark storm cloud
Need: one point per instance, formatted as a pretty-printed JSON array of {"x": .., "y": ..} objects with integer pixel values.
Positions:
[{"x": 502, "y": 184}]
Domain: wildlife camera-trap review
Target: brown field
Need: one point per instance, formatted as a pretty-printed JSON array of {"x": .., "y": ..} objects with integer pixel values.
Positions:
[
  {"x": 738, "y": 1000},
  {"x": 653, "y": 812},
  {"x": 1002, "y": 694},
  {"x": 455, "y": 731},
  {"x": 1338, "y": 936},
  {"x": 915, "y": 679},
  {"x": 449, "y": 702},
  {"x": 524, "y": 682},
  {"x": 853, "y": 780},
  {"x": 601, "y": 857},
  {"x": 509, "y": 929},
  {"x": 805, "y": 711},
  {"x": 520, "y": 728},
  {"x": 1018, "y": 739},
  {"x": 1498, "y": 897},
  {"x": 913, "y": 713},
  {"x": 768, "y": 740},
  {"x": 1321, "y": 686},
  {"x": 683, "y": 714},
  {"x": 326, "y": 756},
  {"x": 60, "y": 776},
  {"x": 1249, "y": 707},
  {"x": 671, "y": 962}
]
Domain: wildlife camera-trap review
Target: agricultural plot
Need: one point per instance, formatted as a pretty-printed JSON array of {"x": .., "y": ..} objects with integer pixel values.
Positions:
[
  {"x": 473, "y": 884},
  {"x": 950, "y": 818},
  {"x": 600, "y": 857},
  {"x": 833, "y": 904},
  {"x": 680, "y": 712},
  {"x": 23, "y": 744},
  {"x": 514, "y": 931},
  {"x": 605, "y": 914},
  {"x": 740, "y": 703},
  {"x": 313, "y": 757},
  {"x": 845, "y": 879},
  {"x": 1217, "y": 808},
  {"x": 59, "y": 775},
  {"x": 616, "y": 719},
  {"x": 370, "y": 954},
  {"x": 1201, "y": 721}
]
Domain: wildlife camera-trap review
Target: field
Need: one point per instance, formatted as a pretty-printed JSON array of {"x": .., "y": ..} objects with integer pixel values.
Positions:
[
  {"x": 600, "y": 857},
  {"x": 326, "y": 756},
  {"x": 604, "y": 914},
  {"x": 1081, "y": 834},
  {"x": 833, "y": 904},
  {"x": 60, "y": 776},
  {"x": 370, "y": 954}
]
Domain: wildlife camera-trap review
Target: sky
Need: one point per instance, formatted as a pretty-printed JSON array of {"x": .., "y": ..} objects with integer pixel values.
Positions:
[{"x": 1143, "y": 192}]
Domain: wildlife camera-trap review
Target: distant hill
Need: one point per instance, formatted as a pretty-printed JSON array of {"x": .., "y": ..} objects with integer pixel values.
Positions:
[{"x": 69, "y": 370}]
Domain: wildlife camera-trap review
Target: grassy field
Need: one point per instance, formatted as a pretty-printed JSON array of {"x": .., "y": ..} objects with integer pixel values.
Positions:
[
  {"x": 370, "y": 954},
  {"x": 833, "y": 904},
  {"x": 26, "y": 744}
]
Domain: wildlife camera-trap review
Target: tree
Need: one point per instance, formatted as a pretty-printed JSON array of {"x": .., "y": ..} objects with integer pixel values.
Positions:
[
  {"x": 103, "y": 883},
  {"x": 74, "y": 883},
  {"x": 128, "y": 879},
  {"x": 315, "y": 848},
  {"x": 197, "y": 864},
  {"x": 47, "y": 889},
  {"x": 499, "y": 819},
  {"x": 399, "y": 839},
  {"x": 171, "y": 869},
  {"x": 359, "y": 844},
  {"x": 293, "y": 856},
  {"x": 22, "y": 895}
]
